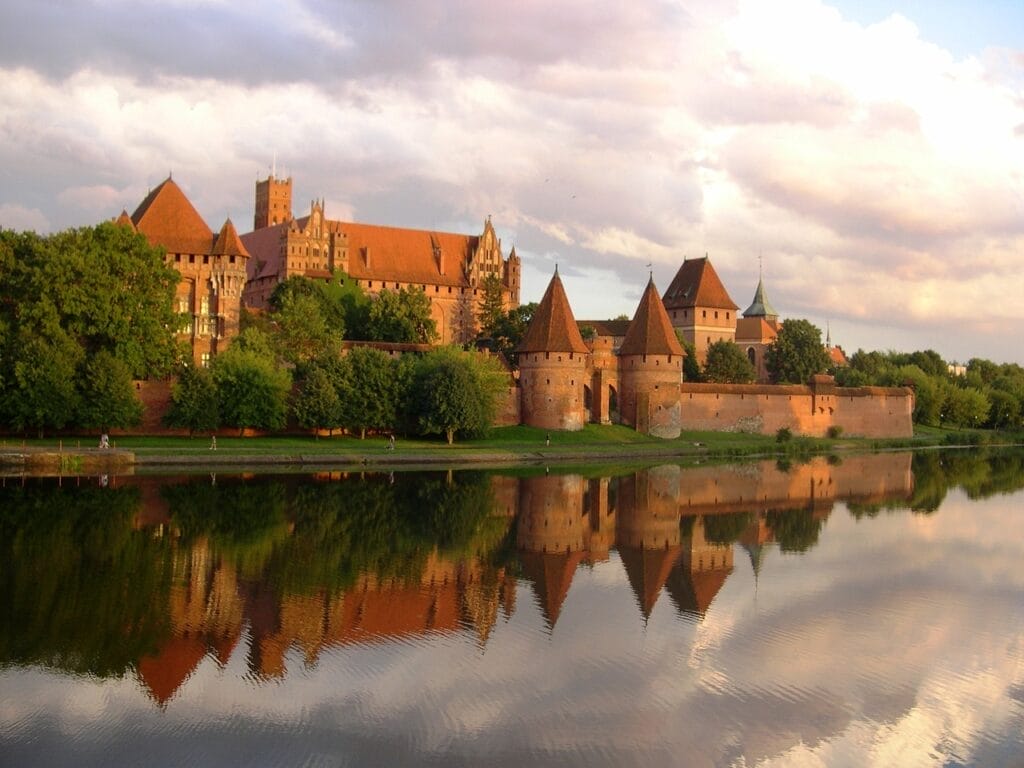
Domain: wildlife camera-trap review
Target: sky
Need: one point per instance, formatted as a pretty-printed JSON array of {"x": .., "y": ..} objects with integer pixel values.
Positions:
[{"x": 867, "y": 157}]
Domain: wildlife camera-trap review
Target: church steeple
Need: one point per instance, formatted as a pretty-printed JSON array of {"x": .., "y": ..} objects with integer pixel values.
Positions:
[{"x": 761, "y": 307}]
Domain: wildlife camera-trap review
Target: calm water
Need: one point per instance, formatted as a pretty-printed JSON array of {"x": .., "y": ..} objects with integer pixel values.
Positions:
[{"x": 868, "y": 611}]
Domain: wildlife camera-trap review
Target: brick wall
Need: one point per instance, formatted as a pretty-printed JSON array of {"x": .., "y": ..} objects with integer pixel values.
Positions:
[{"x": 805, "y": 410}]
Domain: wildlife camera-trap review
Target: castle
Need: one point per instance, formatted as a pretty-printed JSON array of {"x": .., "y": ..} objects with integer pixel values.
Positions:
[
  {"x": 629, "y": 373},
  {"x": 449, "y": 268},
  {"x": 636, "y": 378}
]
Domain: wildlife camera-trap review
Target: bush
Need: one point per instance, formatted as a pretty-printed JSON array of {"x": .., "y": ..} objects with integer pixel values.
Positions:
[
  {"x": 784, "y": 435},
  {"x": 834, "y": 431}
]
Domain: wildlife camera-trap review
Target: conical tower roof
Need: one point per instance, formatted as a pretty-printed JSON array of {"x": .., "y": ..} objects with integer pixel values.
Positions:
[
  {"x": 553, "y": 327},
  {"x": 647, "y": 571},
  {"x": 228, "y": 242},
  {"x": 167, "y": 218},
  {"x": 124, "y": 220},
  {"x": 651, "y": 331},
  {"x": 760, "y": 307}
]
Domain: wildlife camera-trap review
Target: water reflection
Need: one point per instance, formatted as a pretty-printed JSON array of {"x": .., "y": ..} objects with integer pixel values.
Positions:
[{"x": 150, "y": 578}]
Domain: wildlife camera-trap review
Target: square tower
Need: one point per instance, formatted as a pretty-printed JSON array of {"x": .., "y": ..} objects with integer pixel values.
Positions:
[{"x": 273, "y": 202}]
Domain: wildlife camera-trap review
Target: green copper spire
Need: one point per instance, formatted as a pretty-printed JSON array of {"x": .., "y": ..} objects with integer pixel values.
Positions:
[{"x": 761, "y": 306}]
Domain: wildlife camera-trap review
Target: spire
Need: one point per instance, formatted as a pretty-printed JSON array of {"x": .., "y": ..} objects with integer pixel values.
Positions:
[
  {"x": 553, "y": 327},
  {"x": 228, "y": 242},
  {"x": 828, "y": 335},
  {"x": 650, "y": 332},
  {"x": 761, "y": 307}
]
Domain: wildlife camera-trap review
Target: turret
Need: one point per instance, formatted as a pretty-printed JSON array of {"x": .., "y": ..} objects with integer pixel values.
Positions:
[
  {"x": 552, "y": 365},
  {"x": 650, "y": 370}
]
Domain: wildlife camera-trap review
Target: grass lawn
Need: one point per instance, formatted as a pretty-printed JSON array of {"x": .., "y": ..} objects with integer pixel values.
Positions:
[{"x": 592, "y": 443}]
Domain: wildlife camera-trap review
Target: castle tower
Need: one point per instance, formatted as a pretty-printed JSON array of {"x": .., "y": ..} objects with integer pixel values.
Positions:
[
  {"x": 757, "y": 329},
  {"x": 650, "y": 370},
  {"x": 553, "y": 365},
  {"x": 700, "y": 307},
  {"x": 273, "y": 202},
  {"x": 226, "y": 282}
]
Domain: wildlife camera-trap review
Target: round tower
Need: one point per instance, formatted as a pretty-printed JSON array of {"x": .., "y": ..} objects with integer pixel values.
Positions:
[
  {"x": 651, "y": 370},
  {"x": 553, "y": 365}
]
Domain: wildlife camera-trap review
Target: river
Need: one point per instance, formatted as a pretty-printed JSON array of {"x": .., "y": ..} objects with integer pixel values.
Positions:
[{"x": 854, "y": 611}]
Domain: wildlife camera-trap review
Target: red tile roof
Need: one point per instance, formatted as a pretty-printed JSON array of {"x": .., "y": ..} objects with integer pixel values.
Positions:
[
  {"x": 553, "y": 328},
  {"x": 612, "y": 328},
  {"x": 124, "y": 220},
  {"x": 647, "y": 571},
  {"x": 755, "y": 329},
  {"x": 651, "y": 331},
  {"x": 228, "y": 242},
  {"x": 167, "y": 218},
  {"x": 696, "y": 284},
  {"x": 837, "y": 356}
]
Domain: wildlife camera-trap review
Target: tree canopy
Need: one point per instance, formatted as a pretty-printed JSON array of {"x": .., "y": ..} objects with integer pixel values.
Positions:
[
  {"x": 796, "y": 354},
  {"x": 726, "y": 364}
]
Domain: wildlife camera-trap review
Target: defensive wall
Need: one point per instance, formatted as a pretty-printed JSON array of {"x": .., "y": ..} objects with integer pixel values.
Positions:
[{"x": 805, "y": 410}]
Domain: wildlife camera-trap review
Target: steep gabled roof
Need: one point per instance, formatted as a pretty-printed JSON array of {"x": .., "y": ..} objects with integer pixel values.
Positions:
[
  {"x": 760, "y": 307},
  {"x": 651, "y": 331},
  {"x": 264, "y": 247},
  {"x": 228, "y": 242},
  {"x": 167, "y": 218},
  {"x": 696, "y": 284},
  {"x": 553, "y": 327},
  {"x": 406, "y": 255}
]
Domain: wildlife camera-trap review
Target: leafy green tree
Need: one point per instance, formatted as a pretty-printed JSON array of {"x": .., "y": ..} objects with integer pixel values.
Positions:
[
  {"x": 691, "y": 368},
  {"x": 456, "y": 393},
  {"x": 491, "y": 307},
  {"x": 510, "y": 328},
  {"x": 929, "y": 394},
  {"x": 41, "y": 394},
  {"x": 401, "y": 317},
  {"x": 106, "y": 288},
  {"x": 796, "y": 354},
  {"x": 107, "y": 395},
  {"x": 302, "y": 330},
  {"x": 1005, "y": 410},
  {"x": 194, "y": 404},
  {"x": 726, "y": 364},
  {"x": 251, "y": 388},
  {"x": 317, "y": 405},
  {"x": 369, "y": 399},
  {"x": 965, "y": 407}
]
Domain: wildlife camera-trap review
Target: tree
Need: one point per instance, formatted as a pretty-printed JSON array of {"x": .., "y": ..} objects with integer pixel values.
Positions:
[
  {"x": 726, "y": 364},
  {"x": 302, "y": 330},
  {"x": 929, "y": 394},
  {"x": 1005, "y": 410},
  {"x": 456, "y": 393},
  {"x": 194, "y": 404},
  {"x": 369, "y": 396},
  {"x": 796, "y": 354},
  {"x": 41, "y": 394},
  {"x": 107, "y": 288},
  {"x": 691, "y": 368},
  {"x": 510, "y": 328},
  {"x": 401, "y": 317},
  {"x": 965, "y": 407},
  {"x": 491, "y": 306},
  {"x": 107, "y": 394},
  {"x": 251, "y": 389},
  {"x": 317, "y": 405}
]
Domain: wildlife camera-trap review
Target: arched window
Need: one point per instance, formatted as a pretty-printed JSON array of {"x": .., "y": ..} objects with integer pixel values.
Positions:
[{"x": 752, "y": 356}]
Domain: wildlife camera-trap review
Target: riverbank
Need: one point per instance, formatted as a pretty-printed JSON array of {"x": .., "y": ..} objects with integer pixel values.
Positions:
[{"x": 504, "y": 446}]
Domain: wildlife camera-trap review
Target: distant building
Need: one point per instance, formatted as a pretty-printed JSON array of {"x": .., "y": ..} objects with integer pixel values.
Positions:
[
  {"x": 450, "y": 268},
  {"x": 699, "y": 306},
  {"x": 757, "y": 329},
  {"x": 212, "y": 267}
]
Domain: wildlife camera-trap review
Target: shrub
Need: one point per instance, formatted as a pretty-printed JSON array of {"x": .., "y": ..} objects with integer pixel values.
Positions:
[
  {"x": 834, "y": 431},
  {"x": 784, "y": 435}
]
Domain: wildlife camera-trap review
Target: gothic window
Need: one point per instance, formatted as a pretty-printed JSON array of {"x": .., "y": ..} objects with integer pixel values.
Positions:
[
  {"x": 204, "y": 305},
  {"x": 205, "y": 360}
]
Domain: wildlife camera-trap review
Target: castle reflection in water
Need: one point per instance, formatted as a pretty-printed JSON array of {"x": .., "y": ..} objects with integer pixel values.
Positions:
[
  {"x": 657, "y": 520},
  {"x": 299, "y": 588}
]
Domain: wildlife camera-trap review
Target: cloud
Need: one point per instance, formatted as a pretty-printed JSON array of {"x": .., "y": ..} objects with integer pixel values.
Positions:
[{"x": 862, "y": 162}]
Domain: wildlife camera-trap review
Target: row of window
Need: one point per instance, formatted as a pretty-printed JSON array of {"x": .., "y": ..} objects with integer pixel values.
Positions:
[
  {"x": 206, "y": 259},
  {"x": 703, "y": 314}
]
